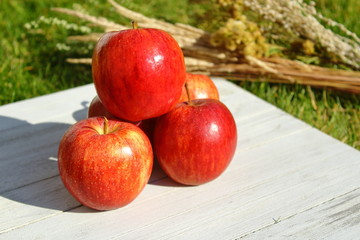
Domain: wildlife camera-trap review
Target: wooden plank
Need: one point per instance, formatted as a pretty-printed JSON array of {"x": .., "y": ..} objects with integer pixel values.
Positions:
[
  {"x": 263, "y": 169},
  {"x": 42, "y": 168},
  {"x": 258, "y": 189},
  {"x": 30, "y": 132},
  {"x": 24, "y": 164},
  {"x": 26, "y": 145}
]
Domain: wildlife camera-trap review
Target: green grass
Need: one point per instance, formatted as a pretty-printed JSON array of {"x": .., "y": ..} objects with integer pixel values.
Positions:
[
  {"x": 345, "y": 12},
  {"x": 32, "y": 64}
]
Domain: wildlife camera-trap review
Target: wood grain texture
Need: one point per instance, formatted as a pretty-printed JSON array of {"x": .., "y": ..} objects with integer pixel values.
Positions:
[{"x": 287, "y": 180}]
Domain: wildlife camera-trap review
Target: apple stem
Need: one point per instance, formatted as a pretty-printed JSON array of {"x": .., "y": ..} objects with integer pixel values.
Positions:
[
  {"x": 134, "y": 24},
  {"x": 188, "y": 92},
  {"x": 105, "y": 125}
]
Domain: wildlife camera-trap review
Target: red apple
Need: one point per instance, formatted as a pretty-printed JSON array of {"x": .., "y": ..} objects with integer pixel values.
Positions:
[
  {"x": 195, "y": 142},
  {"x": 103, "y": 163},
  {"x": 148, "y": 126},
  {"x": 138, "y": 73},
  {"x": 200, "y": 87},
  {"x": 97, "y": 109}
]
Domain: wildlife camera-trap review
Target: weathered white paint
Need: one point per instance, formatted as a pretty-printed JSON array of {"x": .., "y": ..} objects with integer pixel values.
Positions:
[{"x": 287, "y": 180}]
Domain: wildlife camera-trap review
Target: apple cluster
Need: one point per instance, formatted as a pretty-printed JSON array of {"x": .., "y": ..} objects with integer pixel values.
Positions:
[{"x": 147, "y": 107}]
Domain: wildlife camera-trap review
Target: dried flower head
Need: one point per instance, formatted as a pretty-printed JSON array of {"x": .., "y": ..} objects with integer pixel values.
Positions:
[{"x": 239, "y": 34}]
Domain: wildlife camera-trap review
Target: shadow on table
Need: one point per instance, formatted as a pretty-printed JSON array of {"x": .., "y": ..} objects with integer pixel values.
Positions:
[{"x": 28, "y": 162}]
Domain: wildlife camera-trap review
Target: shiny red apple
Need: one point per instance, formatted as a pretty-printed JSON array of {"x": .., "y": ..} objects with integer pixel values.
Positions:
[
  {"x": 138, "y": 73},
  {"x": 195, "y": 142},
  {"x": 200, "y": 87},
  {"x": 104, "y": 164}
]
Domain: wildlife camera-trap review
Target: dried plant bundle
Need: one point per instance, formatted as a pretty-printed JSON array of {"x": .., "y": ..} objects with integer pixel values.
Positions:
[
  {"x": 201, "y": 57},
  {"x": 302, "y": 19}
]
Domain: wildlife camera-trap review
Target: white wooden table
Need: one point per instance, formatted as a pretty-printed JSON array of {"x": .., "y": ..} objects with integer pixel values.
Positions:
[{"x": 286, "y": 181}]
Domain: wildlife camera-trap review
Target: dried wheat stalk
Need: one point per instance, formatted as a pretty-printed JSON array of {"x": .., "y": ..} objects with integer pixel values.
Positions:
[{"x": 201, "y": 57}]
